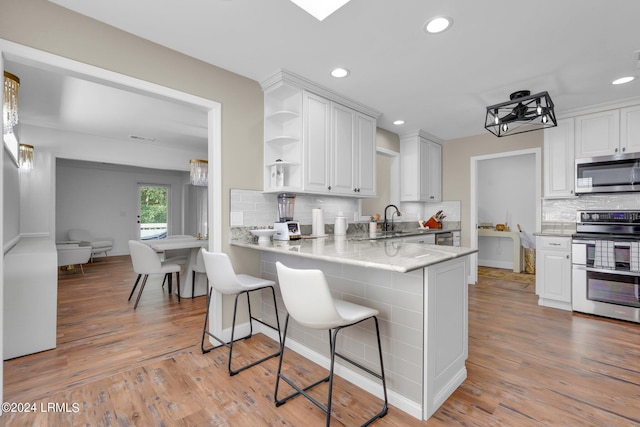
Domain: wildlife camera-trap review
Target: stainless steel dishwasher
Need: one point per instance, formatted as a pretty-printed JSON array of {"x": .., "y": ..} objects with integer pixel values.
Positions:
[{"x": 444, "y": 239}]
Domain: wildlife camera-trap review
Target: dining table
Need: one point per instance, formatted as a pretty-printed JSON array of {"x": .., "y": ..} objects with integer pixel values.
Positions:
[{"x": 194, "y": 244}]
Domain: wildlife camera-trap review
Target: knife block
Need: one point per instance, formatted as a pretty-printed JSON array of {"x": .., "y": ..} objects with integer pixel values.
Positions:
[{"x": 432, "y": 223}]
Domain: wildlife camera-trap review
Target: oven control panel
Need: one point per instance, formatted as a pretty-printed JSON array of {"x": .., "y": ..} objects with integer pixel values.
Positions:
[{"x": 609, "y": 217}]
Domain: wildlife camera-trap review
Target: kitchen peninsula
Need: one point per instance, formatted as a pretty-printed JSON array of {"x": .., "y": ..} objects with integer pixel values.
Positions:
[{"x": 421, "y": 293}]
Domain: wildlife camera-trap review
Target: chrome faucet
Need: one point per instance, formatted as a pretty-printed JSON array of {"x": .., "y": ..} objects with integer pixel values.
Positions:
[{"x": 385, "y": 224}]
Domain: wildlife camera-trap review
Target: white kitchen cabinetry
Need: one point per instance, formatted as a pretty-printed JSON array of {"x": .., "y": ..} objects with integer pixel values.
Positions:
[
  {"x": 283, "y": 137},
  {"x": 559, "y": 160},
  {"x": 365, "y": 161},
  {"x": 420, "y": 168},
  {"x": 317, "y": 143},
  {"x": 553, "y": 271},
  {"x": 598, "y": 134},
  {"x": 326, "y": 142},
  {"x": 630, "y": 129},
  {"x": 352, "y": 149}
]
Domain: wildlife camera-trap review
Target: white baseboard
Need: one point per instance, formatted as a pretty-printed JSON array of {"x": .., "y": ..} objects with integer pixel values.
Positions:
[
  {"x": 448, "y": 389},
  {"x": 507, "y": 265}
]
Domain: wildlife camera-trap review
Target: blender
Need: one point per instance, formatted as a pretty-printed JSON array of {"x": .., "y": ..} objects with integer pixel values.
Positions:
[{"x": 286, "y": 228}]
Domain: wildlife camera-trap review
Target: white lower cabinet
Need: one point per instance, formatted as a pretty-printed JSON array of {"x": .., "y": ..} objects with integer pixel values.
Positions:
[{"x": 553, "y": 271}]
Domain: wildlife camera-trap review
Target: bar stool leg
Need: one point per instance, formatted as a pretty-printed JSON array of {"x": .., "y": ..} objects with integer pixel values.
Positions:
[
  {"x": 303, "y": 391},
  {"x": 229, "y": 344}
]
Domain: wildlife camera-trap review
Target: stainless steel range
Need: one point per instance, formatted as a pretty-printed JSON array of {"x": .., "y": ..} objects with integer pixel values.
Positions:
[{"x": 606, "y": 264}]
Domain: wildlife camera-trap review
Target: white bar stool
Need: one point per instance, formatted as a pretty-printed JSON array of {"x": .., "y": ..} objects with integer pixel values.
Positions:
[
  {"x": 308, "y": 300},
  {"x": 223, "y": 279}
]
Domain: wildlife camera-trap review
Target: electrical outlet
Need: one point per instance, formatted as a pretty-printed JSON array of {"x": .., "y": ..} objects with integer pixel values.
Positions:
[{"x": 236, "y": 219}]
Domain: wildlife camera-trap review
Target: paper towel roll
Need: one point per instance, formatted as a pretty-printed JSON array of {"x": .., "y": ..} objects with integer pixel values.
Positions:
[
  {"x": 317, "y": 222},
  {"x": 340, "y": 227}
]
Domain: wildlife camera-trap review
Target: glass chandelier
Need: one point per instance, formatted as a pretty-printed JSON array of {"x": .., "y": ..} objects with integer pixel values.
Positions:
[
  {"x": 199, "y": 172},
  {"x": 10, "y": 106},
  {"x": 25, "y": 158}
]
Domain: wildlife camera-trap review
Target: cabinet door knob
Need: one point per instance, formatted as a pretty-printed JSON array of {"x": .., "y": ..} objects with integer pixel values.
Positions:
[
  {"x": 615, "y": 151},
  {"x": 568, "y": 256},
  {"x": 329, "y": 187},
  {"x": 624, "y": 148}
]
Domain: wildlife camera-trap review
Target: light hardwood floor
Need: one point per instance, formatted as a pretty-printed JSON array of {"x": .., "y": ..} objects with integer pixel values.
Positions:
[{"x": 528, "y": 365}]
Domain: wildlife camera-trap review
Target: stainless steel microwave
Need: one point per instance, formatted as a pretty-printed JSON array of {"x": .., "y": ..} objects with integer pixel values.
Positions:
[{"x": 618, "y": 173}]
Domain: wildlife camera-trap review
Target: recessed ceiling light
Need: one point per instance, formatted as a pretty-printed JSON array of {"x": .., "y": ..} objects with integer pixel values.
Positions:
[
  {"x": 622, "y": 80},
  {"x": 398, "y": 122},
  {"x": 438, "y": 24},
  {"x": 340, "y": 73}
]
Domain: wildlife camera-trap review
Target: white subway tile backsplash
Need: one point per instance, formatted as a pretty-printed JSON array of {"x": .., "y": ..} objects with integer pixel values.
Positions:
[
  {"x": 261, "y": 209},
  {"x": 564, "y": 210}
]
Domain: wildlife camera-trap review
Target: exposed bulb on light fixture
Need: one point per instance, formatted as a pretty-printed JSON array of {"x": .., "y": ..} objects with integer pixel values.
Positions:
[
  {"x": 496, "y": 119},
  {"x": 538, "y": 107},
  {"x": 505, "y": 127},
  {"x": 545, "y": 119}
]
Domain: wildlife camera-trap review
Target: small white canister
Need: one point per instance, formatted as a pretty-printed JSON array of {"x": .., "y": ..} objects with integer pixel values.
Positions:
[{"x": 340, "y": 226}]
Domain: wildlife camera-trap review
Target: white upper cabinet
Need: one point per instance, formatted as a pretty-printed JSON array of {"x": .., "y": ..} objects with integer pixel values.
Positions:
[
  {"x": 630, "y": 129},
  {"x": 598, "y": 134},
  {"x": 325, "y": 143},
  {"x": 559, "y": 180},
  {"x": 365, "y": 164},
  {"x": 316, "y": 143},
  {"x": 420, "y": 168},
  {"x": 343, "y": 149}
]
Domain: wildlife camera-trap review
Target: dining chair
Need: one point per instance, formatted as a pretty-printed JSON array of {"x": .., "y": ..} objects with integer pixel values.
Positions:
[
  {"x": 198, "y": 267},
  {"x": 223, "y": 279},
  {"x": 146, "y": 262},
  {"x": 308, "y": 300}
]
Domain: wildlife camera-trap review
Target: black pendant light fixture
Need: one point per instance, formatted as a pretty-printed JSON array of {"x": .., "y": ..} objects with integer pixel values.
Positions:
[{"x": 522, "y": 113}]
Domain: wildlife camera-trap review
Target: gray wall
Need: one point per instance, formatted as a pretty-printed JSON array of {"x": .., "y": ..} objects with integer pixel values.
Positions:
[
  {"x": 11, "y": 199},
  {"x": 104, "y": 199}
]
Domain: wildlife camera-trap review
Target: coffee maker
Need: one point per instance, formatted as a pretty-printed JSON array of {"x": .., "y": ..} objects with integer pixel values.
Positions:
[{"x": 286, "y": 228}]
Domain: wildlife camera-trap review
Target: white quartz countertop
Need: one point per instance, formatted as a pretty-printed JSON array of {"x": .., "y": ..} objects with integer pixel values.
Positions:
[{"x": 381, "y": 254}]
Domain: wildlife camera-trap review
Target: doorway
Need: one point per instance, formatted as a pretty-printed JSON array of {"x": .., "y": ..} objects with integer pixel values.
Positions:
[
  {"x": 153, "y": 211},
  {"x": 533, "y": 178},
  {"x": 46, "y": 205}
]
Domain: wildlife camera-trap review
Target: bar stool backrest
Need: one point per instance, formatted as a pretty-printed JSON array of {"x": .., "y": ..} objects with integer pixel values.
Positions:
[
  {"x": 307, "y": 297},
  {"x": 220, "y": 272}
]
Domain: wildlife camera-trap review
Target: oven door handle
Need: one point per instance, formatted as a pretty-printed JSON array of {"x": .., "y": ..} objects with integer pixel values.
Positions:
[{"x": 620, "y": 272}]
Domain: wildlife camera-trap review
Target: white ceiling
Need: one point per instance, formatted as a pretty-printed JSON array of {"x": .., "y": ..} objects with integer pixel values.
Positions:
[
  {"x": 438, "y": 83},
  {"x": 52, "y": 99}
]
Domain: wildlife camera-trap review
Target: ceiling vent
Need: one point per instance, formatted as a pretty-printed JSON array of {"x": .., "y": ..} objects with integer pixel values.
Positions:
[{"x": 142, "y": 138}]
